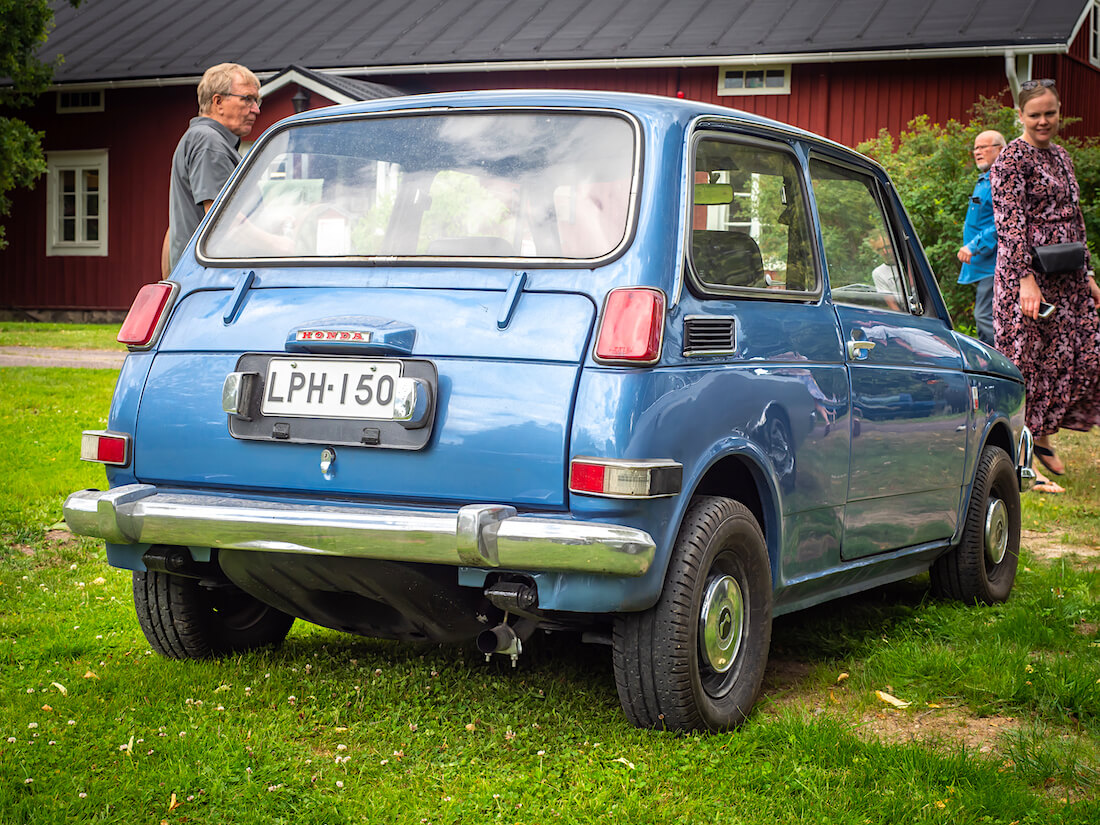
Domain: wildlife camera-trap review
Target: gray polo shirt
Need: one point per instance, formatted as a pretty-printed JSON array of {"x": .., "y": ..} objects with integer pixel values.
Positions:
[{"x": 204, "y": 159}]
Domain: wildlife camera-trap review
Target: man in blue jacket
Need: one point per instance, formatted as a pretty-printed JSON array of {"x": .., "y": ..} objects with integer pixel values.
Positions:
[{"x": 979, "y": 250}]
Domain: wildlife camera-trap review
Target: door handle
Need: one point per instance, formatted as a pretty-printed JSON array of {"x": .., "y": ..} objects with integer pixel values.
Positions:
[{"x": 857, "y": 350}]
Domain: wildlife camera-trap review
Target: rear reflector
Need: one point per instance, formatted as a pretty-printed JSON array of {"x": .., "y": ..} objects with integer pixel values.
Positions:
[
  {"x": 105, "y": 447},
  {"x": 619, "y": 478},
  {"x": 147, "y": 314},
  {"x": 632, "y": 326}
]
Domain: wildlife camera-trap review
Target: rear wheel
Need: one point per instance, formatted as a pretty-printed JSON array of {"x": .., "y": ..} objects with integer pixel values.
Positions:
[
  {"x": 982, "y": 568},
  {"x": 695, "y": 660},
  {"x": 182, "y": 619}
]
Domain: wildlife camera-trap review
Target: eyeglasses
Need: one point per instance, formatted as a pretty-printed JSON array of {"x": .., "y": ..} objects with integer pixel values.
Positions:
[
  {"x": 251, "y": 100},
  {"x": 1028, "y": 85},
  {"x": 985, "y": 146}
]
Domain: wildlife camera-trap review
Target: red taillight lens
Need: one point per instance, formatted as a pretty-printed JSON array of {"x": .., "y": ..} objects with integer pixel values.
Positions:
[
  {"x": 586, "y": 478},
  {"x": 146, "y": 314},
  {"x": 633, "y": 322},
  {"x": 105, "y": 447}
]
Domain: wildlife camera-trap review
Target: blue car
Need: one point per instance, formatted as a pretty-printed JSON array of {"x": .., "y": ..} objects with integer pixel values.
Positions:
[{"x": 466, "y": 367}]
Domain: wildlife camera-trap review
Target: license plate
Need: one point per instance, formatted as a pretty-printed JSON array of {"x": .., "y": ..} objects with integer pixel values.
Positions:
[{"x": 330, "y": 388}]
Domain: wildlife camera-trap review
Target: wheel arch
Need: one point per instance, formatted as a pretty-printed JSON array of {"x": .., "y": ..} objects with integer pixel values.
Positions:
[
  {"x": 981, "y": 564},
  {"x": 999, "y": 435},
  {"x": 743, "y": 475}
]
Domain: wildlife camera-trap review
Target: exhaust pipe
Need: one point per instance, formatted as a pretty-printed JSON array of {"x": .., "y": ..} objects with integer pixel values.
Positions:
[{"x": 500, "y": 639}]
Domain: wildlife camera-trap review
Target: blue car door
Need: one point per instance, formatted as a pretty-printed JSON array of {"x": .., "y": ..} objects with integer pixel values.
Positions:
[{"x": 910, "y": 398}]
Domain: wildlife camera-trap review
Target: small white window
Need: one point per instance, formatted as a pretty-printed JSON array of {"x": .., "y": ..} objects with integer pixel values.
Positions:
[
  {"x": 85, "y": 100},
  {"x": 754, "y": 80},
  {"x": 1094, "y": 34},
  {"x": 76, "y": 203}
]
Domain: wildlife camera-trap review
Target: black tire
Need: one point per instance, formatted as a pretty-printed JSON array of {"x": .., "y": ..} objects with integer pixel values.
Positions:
[
  {"x": 665, "y": 677},
  {"x": 182, "y": 619},
  {"x": 982, "y": 568}
]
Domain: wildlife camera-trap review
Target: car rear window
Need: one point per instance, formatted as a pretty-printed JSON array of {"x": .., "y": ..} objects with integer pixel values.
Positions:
[{"x": 550, "y": 185}]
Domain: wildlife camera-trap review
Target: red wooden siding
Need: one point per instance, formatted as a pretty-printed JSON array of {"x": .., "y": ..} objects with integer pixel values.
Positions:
[
  {"x": 848, "y": 102},
  {"x": 139, "y": 129}
]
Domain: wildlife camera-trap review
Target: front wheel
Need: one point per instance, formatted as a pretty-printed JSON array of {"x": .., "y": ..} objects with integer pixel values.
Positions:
[
  {"x": 695, "y": 660},
  {"x": 183, "y": 619},
  {"x": 982, "y": 568}
]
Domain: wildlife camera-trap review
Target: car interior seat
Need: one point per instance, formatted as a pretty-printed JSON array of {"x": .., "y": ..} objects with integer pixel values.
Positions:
[{"x": 729, "y": 258}]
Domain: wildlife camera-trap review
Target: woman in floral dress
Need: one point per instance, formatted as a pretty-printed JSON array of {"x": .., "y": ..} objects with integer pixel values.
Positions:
[{"x": 1036, "y": 202}]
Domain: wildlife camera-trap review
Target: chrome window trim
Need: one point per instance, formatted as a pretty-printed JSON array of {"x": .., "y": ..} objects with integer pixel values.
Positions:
[
  {"x": 516, "y": 262},
  {"x": 779, "y": 141}
]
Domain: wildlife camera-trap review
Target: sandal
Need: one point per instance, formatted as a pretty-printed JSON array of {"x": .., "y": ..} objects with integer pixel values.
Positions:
[
  {"x": 1048, "y": 487},
  {"x": 1045, "y": 454},
  {"x": 1045, "y": 485}
]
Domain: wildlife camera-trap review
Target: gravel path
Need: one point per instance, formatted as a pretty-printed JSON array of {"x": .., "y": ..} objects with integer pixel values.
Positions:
[{"x": 43, "y": 357}]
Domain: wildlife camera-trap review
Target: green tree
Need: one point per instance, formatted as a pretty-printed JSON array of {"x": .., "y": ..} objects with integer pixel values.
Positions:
[
  {"x": 933, "y": 169},
  {"x": 24, "y": 25}
]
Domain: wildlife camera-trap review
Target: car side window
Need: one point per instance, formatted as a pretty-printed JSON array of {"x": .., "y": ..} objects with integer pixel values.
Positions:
[
  {"x": 749, "y": 222},
  {"x": 860, "y": 247}
]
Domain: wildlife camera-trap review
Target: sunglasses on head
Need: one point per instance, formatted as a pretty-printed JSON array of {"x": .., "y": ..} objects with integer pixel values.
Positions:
[{"x": 1028, "y": 85}]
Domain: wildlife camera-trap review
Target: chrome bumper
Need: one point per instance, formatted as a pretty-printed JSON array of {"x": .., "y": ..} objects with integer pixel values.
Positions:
[{"x": 477, "y": 535}]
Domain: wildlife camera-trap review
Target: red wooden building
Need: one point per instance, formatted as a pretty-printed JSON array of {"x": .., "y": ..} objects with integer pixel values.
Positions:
[{"x": 89, "y": 234}]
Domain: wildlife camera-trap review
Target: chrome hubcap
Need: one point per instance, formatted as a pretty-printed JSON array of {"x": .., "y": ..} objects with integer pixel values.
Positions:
[
  {"x": 996, "y": 531},
  {"x": 721, "y": 622}
]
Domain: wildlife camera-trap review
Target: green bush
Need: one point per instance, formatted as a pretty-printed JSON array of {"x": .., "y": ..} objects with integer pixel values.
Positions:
[{"x": 933, "y": 169}]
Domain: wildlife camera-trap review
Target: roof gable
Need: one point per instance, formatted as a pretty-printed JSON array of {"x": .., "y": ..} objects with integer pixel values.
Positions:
[{"x": 333, "y": 87}]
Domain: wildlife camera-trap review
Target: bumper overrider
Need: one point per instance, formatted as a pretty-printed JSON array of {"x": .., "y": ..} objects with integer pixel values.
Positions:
[
  {"x": 1024, "y": 450},
  {"x": 477, "y": 535}
]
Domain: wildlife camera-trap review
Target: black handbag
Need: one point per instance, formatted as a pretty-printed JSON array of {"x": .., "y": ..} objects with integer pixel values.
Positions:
[{"x": 1058, "y": 258}]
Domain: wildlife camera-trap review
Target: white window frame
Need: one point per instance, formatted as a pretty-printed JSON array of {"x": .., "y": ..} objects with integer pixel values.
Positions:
[
  {"x": 745, "y": 71},
  {"x": 56, "y": 163},
  {"x": 63, "y": 109},
  {"x": 1094, "y": 34}
]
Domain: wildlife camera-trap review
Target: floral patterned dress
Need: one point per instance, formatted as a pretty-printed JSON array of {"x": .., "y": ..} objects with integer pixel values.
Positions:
[{"x": 1036, "y": 201}]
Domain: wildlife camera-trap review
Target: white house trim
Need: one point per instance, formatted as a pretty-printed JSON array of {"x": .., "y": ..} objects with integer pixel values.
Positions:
[{"x": 293, "y": 76}]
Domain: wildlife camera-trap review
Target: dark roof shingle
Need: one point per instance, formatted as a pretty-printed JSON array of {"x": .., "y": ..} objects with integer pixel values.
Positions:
[{"x": 139, "y": 39}]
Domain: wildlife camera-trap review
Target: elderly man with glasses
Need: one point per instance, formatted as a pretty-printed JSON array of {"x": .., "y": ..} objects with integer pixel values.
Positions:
[
  {"x": 208, "y": 152},
  {"x": 978, "y": 253}
]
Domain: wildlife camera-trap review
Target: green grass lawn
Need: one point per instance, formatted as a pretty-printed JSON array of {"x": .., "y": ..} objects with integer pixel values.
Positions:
[
  {"x": 336, "y": 729},
  {"x": 63, "y": 336}
]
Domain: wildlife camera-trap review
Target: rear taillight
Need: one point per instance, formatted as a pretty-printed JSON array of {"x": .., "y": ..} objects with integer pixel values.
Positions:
[
  {"x": 632, "y": 326},
  {"x": 621, "y": 478},
  {"x": 147, "y": 315},
  {"x": 105, "y": 447}
]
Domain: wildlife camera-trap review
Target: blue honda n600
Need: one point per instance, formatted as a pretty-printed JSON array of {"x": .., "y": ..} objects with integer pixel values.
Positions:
[{"x": 463, "y": 367}]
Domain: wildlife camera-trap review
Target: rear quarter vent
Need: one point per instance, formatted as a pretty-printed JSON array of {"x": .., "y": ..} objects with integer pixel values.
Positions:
[{"x": 710, "y": 335}]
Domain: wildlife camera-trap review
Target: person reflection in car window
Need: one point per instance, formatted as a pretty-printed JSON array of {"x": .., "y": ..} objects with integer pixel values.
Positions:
[{"x": 885, "y": 275}]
